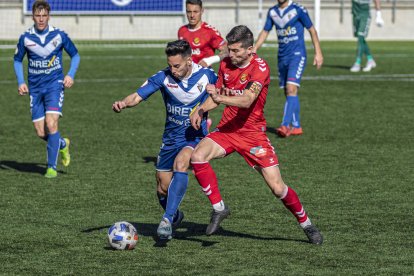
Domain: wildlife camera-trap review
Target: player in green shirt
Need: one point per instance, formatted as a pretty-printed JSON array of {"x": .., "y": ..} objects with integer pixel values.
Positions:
[{"x": 361, "y": 18}]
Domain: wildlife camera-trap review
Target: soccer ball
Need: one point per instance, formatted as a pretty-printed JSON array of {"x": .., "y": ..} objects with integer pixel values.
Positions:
[{"x": 122, "y": 236}]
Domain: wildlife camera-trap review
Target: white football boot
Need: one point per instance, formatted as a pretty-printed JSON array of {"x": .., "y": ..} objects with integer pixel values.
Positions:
[
  {"x": 370, "y": 65},
  {"x": 355, "y": 68}
]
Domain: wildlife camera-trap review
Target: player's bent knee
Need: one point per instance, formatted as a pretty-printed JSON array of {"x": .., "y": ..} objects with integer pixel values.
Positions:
[
  {"x": 181, "y": 166},
  {"x": 292, "y": 91},
  {"x": 198, "y": 156}
]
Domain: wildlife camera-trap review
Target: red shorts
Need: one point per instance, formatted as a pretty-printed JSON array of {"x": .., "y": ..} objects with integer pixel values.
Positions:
[{"x": 255, "y": 147}]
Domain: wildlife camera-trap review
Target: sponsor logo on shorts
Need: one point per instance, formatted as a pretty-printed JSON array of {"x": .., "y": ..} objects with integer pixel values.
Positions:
[{"x": 258, "y": 151}]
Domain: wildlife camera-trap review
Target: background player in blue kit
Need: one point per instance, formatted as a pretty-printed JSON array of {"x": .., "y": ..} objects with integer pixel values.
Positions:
[
  {"x": 290, "y": 19},
  {"x": 44, "y": 45},
  {"x": 183, "y": 87}
]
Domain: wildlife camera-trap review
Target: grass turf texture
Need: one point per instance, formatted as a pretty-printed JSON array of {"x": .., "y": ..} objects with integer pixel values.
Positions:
[{"x": 352, "y": 169}]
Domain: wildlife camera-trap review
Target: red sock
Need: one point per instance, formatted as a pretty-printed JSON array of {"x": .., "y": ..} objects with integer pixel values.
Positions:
[
  {"x": 208, "y": 181},
  {"x": 292, "y": 202}
]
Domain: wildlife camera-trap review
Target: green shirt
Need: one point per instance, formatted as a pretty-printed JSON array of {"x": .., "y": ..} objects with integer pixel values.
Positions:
[{"x": 361, "y": 2}]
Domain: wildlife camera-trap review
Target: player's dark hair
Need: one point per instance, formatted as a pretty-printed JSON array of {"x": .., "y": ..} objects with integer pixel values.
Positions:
[
  {"x": 40, "y": 5},
  {"x": 195, "y": 2},
  {"x": 178, "y": 47},
  {"x": 240, "y": 34}
]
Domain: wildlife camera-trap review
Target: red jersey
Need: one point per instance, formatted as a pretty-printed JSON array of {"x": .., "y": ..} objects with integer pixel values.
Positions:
[
  {"x": 203, "y": 41},
  {"x": 236, "y": 78}
]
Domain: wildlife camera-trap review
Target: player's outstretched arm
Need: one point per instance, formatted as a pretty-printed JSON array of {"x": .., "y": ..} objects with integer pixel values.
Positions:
[
  {"x": 260, "y": 40},
  {"x": 208, "y": 61},
  {"x": 129, "y": 101},
  {"x": 318, "y": 59}
]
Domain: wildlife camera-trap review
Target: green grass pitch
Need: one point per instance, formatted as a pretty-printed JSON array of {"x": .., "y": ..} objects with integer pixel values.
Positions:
[{"x": 353, "y": 170}]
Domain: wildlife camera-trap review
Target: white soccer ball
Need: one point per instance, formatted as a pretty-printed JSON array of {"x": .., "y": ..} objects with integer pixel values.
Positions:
[{"x": 122, "y": 236}]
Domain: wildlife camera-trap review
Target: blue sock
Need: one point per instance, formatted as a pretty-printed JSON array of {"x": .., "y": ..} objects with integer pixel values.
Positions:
[
  {"x": 52, "y": 149},
  {"x": 62, "y": 143},
  {"x": 288, "y": 111},
  {"x": 162, "y": 199},
  {"x": 176, "y": 192},
  {"x": 296, "y": 111}
]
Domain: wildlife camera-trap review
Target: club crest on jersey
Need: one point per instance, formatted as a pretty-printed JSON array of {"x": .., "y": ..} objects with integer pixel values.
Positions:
[
  {"x": 258, "y": 151},
  {"x": 196, "y": 41},
  {"x": 243, "y": 78},
  {"x": 200, "y": 87}
]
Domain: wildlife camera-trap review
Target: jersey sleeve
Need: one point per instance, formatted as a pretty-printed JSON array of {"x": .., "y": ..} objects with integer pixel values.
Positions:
[
  {"x": 220, "y": 78},
  {"x": 212, "y": 77},
  {"x": 152, "y": 85},
  {"x": 20, "y": 50},
  {"x": 304, "y": 17},
  {"x": 260, "y": 73},
  {"x": 68, "y": 45},
  {"x": 216, "y": 40},
  {"x": 269, "y": 22}
]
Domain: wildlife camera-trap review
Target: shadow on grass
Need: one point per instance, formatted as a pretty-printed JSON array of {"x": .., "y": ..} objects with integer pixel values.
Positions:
[
  {"x": 189, "y": 231},
  {"x": 334, "y": 66},
  {"x": 150, "y": 159},
  {"x": 38, "y": 168}
]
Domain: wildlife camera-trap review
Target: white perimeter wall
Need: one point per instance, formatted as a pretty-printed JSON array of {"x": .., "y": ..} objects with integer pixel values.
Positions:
[{"x": 223, "y": 17}]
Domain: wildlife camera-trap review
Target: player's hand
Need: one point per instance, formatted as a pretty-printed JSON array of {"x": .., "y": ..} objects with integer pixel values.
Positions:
[
  {"x": 23, "y": 89},
  {"x": 68, "y": 81},
  {"x": 196, "y": 118},
  {"x": 318, "y": 61},
  {"x": 214, "y": 93},
  {"x": 203, "y": 63},
  {"x": 378, "y": 19},
  {"x": 118, "y": 106}
]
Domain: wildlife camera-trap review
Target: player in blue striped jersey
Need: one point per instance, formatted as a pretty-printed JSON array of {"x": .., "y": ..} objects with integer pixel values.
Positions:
[
  {"x": 290, "y": 19},
  {"x": 44, "y": 45},
  {"x": 183, "y": 87}
]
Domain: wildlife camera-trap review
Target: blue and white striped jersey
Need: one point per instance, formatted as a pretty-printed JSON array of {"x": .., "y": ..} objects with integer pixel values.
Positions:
[
  {"x": 180, "y": 97},
  {"x": 44, "y": 53},
  {"x": 289, "y": 23}
]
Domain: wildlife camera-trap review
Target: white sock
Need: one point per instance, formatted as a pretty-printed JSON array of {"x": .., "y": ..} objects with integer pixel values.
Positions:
[
  {"x": 219, "y": 206},
  {"x": 307, "y": 222}
]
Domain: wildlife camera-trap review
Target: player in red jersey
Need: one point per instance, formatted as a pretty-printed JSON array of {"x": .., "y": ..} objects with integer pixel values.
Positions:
[
  {"x": 242, "y": 85},
  {"x": 203, "y": 38}
]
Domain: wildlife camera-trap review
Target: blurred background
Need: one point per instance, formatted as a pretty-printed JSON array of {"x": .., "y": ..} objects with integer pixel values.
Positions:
[{"x": 159, "y": 20}]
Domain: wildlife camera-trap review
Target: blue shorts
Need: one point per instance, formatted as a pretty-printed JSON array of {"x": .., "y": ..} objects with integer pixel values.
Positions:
[
  {"x": 291, "y": 69},
  {"x": 48, "y": 100},
  {"x": 166, "y": 157}
]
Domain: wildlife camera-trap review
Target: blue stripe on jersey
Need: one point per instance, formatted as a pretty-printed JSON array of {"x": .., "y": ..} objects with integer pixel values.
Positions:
[
  {"x": 180, "y": 97},
  {"x": 289, "y": 23},
  {"x": 44, "y": 52}
]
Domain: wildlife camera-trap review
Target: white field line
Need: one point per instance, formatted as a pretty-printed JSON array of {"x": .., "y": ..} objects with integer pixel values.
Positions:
[{"x": 360, "y": 77}]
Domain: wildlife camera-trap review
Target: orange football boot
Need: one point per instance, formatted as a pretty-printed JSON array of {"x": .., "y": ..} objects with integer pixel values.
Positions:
[
  {"x": 283, "y": 131},
  {"x": 296, "y": 131}
]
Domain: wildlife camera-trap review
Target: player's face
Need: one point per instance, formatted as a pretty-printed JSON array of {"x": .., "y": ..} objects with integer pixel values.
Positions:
[
  {"x": 282, "y": 2},
  {"x": 239, "y": 56},
  {"x": 41, "y": 19},
  {"x": 180, "y": 66},
  {"x": 194, "y": 13}
]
